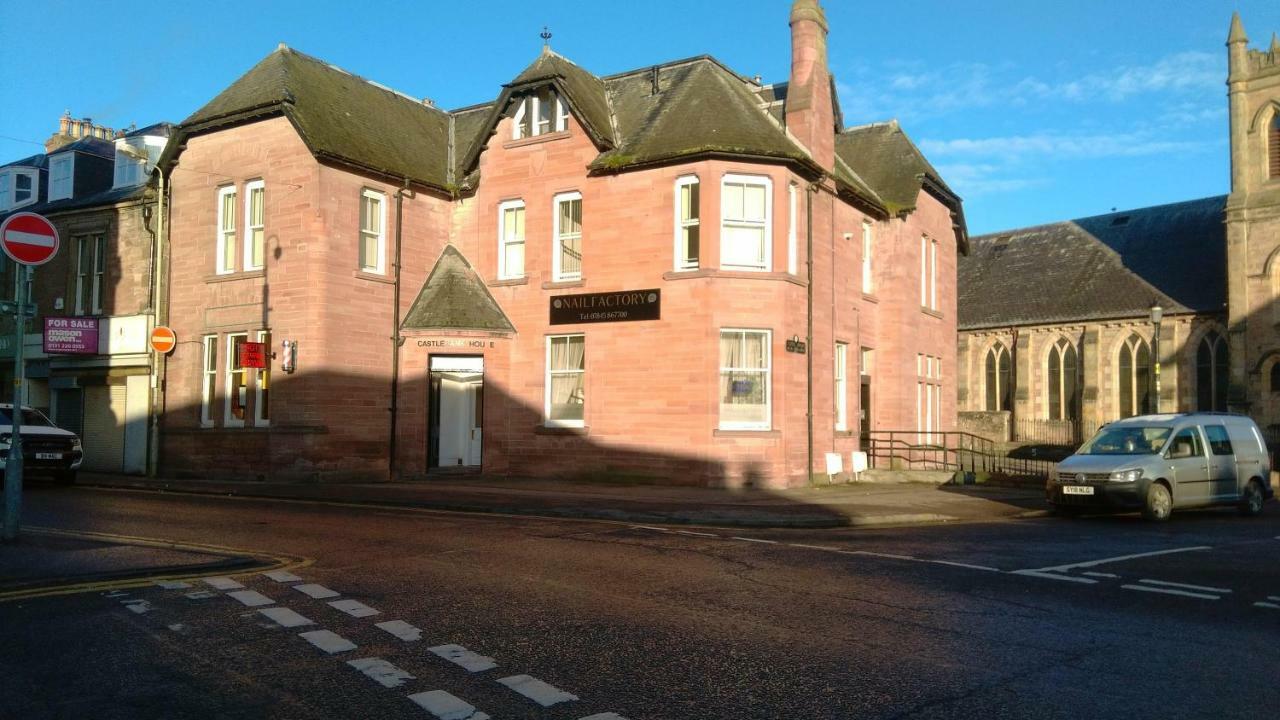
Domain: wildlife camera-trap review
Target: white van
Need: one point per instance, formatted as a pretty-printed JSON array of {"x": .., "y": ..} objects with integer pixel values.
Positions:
[
  {"x": 1155, "y": 463},
  {"x": 46, "y": 448}
]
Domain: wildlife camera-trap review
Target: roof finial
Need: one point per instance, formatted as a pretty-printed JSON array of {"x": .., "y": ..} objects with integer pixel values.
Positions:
[
  {"x": 546, "y": 39},
  {"x": 1236, "y": 35}
]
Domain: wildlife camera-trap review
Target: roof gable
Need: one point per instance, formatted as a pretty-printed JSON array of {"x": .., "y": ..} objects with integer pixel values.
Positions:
[
  {"x": 455, "y": 298},
  {"x": 885, "y": 158},
  {"x": 1107, "y": 266}
]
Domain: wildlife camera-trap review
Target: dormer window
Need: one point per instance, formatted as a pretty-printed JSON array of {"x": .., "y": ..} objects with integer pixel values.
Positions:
[
  {"x": 17, "y": 188},
  {"x": 61, "y": 170},
  {"x": 130, "y": 167},
  {"x": 539, "y": 113}
]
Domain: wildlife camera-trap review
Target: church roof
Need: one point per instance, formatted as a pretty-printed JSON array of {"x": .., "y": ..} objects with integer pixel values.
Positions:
[
  {"x": 1095, "y": 268},
  {"x": 455, "y": 298}
]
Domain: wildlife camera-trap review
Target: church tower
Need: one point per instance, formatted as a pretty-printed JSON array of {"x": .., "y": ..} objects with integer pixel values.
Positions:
[{"x": 1253, "y": 226}]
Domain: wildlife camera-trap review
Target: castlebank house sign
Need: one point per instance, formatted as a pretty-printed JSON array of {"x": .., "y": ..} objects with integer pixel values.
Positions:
[{"x": 623, "y": 306}]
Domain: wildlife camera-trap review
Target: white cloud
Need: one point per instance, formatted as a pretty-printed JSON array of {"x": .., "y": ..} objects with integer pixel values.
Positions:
[
  {"x": 976, "y": 180},
  {"x": 1046, "y": 145}
]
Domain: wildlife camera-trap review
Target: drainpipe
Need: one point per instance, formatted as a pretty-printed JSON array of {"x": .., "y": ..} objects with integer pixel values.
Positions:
[
  {"x": 808, "y": 379},
  {"x": 396, "y": 340},
  {"x": 159, "y": 362}
]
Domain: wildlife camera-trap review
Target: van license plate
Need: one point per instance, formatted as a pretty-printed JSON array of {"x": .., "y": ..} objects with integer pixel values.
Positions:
[
  {"x": 1077, "y": 489},
  {"x": 48, "y": 456}
]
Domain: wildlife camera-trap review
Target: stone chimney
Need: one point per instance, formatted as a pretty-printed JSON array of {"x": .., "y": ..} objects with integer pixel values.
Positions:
[
  {"x": 810, "y": 115},
  {"x": 70, "y": 130}
]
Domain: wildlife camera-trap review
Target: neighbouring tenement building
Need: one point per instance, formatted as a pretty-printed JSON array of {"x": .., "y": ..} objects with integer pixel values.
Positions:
[
  {"x": 676, "y": 273},
  {"x": 1057, "y": 331}
]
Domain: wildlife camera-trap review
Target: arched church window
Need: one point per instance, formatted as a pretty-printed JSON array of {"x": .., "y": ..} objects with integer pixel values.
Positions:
[
  {"x": 999, "y": 386},
  {"x": 1273, "y": 147},
  {"x": 1211, "y": 373},
  {"x": 1063, "y": 385},
  {"x": 1275, "y": 377},
  {"x": 1134, "y": 377}
]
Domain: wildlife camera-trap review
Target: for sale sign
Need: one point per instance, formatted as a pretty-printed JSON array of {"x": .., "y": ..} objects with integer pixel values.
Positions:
[
  {"x": 253, "y": 355},
  {"x": 70, "y": 336}
]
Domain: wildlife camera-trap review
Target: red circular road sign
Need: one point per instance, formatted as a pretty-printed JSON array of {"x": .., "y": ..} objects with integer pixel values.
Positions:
[
  {"x": 163, "y": 339},
  {"x": 29, "y": 238}
]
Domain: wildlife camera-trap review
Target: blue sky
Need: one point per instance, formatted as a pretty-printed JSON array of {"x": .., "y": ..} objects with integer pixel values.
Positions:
[{"x": 1033, "y": 111}]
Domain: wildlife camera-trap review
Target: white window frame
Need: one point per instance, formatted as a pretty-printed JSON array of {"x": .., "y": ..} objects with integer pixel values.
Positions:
[
  {"x": 549, "y": 373},
  {"x": 557, "y": 272},
  {"x": 229, "y": 420},
  {"x": 868, "y": 252},
  {"x": 767, "y": 183},
  {"x": 9, "y": 188},
  {"x": 768, "y": 380},
  {"x": 90, "y": 278},
  {"x": 531, "y": 106},
  {"x": 208, "y": 379},
  {"x": 249, "y": 189},
  {"x": 842, "y": 385},
  {"x": 259, "y": 421},
  {"x": 504, "y": 273},
  {"x": 224, "y": 234},
  {"x": 97, "y": 286},
  {"x": 381, "y": 267},
  {"x": 681, "y": 252},
  {"x": 69, "y": 161},
  {"x": 924, "y": 271},
  {"x": 933, "y": 274},
  {"x": 792, "y": 241}
]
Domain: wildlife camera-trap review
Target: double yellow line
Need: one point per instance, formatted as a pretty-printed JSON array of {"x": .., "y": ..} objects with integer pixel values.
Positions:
[{"x": 270, "y": 561}]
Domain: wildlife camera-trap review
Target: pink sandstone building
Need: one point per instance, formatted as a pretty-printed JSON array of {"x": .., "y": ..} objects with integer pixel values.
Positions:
[{"x": 674, "y": 274}]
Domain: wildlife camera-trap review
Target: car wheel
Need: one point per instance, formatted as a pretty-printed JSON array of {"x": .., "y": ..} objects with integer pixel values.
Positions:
[
  {"x": 1159, "y": 503},
  {"x": 1252, "y": 499},
  {"x": 66, "y": 477}
]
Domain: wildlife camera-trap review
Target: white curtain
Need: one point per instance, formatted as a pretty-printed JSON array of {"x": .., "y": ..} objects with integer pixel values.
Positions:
[{"x": 568, "y": 356}]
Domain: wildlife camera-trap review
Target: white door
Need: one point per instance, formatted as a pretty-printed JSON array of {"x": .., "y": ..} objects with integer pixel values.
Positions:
[{"x": 461, "y": 395}]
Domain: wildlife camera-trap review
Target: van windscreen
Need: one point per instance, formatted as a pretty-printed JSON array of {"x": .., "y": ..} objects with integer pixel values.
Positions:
[{"x": 1126, "y": 440}]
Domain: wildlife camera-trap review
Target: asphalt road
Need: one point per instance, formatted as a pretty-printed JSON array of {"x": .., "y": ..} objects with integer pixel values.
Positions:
[{"x": 555, "y": 619}]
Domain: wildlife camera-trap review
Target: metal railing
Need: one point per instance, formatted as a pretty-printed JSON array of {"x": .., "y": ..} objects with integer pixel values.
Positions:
[
  {"x": 952, "y": 450},
  {"x": 1054, "y": 432}
]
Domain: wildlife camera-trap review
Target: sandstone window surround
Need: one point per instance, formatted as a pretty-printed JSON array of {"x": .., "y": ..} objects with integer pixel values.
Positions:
[
  {"x": 225, "y": 252},
  {"x": 746, "y": 401},
  {"x": 540, "y": 113},
  {"x": 688, "y": 215},
  {"x": 746, "y": 223},
  {"x": 566, "y": 251},
  {"x": 565, "y": 385},
  {"x": 373, "y": 235},
  {"x": 254, "y": 235},
  {"x": 511, "y": 240},
  {"x": 90, "y": 259}
]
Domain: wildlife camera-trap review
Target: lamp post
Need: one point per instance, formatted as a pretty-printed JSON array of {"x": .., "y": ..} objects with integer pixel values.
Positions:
[{"x": 1157, "y": 314}]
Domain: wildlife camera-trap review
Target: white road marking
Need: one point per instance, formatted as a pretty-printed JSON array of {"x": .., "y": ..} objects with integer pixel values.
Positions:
[
  {"x": 1119, "y": 558},
  {"x": 178, "y": 627},
  {"x": 459, "y": 655},
  {"x": 1185, "y": 586},
  {"x": 251, "y": 598},
  {"x": 115, "y": 594},
  {"x": 316, "y": 591},
  {"x": 1171, "y": 591},
  {"x": 757, "y": 540},
  {"x": 223, "y": 583},
  {"x": 382, "y": 672},
  {"x": 284, "y": 617},
  {"x": 812, "y": 547},
  {"x": 173, "y": 584},
  {"x": 1054, "y": 576},
  {"x": 646, "y": 527},
  {"x": 699, "y": 534},
  {"x": 400, "y": 629},
  {"x": 328, "y": 641},
  {"x": 1274, "y": 598},
  {"x": 604, "y": 716},
  {"x": 282, "y": 576},
  {"x": 1273, "y": 606},
  {"x": 1100, "y": 574},
  {"x": 138, "y": 606},
  {"x": 964, "y": 565},
  {"x": 354, "y": 608},
  {"x": 201, "y": 595},
  {"x": 536, "y": 690},
  {"x": 446, "y": 706},
  {"x": 868, "y": 553}
]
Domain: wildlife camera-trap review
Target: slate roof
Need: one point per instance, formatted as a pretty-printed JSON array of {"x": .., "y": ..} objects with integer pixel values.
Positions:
[
  {"x": 455, "y": 298},
  {"x": 889, "y": 162},
  {"x": 160, "y": 129},
  {"x": 89, "y": 146},
  {"x": 35, "y": 161},
  {"x": 340, "y": 116},
  {"x": 1101, "y": 267}
]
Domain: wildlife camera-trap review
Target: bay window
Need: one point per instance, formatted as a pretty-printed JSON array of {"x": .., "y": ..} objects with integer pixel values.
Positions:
[
  {"x": 745, "y": 393},
  {"x": 745, "y": 223},
  {"x": 688, "y": 214}
]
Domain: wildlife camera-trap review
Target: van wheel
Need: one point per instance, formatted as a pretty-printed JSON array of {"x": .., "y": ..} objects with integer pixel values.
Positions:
[
  {"x": 1159, "y": 503},
  {"x": 1252, "y": 499}
]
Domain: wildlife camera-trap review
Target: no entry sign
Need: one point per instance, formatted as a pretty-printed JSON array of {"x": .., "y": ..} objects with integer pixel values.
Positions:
[
  {"x": 29, "y": 238},
  {"x": 163, "y": 339}
]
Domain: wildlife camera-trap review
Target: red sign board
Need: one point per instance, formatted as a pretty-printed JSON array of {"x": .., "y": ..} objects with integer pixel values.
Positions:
[
  {"x": 163, "y": 339},
  {"x": 253, "y": 355},
  {"x": 29, "y": 238}
]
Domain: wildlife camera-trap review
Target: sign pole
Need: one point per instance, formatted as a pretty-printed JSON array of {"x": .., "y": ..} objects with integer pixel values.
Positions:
[{"x": 13, "y": 463}]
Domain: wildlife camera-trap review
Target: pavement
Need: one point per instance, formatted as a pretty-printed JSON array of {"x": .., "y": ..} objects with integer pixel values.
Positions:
[{"x": 822, "y": 506}]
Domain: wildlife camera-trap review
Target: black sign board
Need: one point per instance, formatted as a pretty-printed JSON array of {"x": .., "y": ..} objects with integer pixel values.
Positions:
[
  {"x": 623, "y": 306},
  {"x": 797, "y": 346}
]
